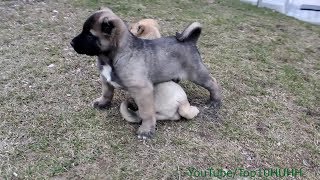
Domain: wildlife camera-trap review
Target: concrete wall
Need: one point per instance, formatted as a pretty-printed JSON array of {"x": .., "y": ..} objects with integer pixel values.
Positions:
[{"x": 291, "y": 8}]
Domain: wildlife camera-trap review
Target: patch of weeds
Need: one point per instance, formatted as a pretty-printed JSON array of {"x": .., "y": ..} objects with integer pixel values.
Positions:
[
  {"x": 117, "y": 147},
  {"x": 279, "y": 41},
  {"x": 87, "y": 114},
  {"x": 295, "y": 55},
  {"x": 179, "y": 141},
  {"x": 292, "y": 77},
  {"x": 96, "y": 152},
  {"x": 261, "y": 52},
  {"x": 124, "y": 172},
  {"x": 309, "y": 50},
  {"x": 78, "y": 144},
  {"x": 311, "y": 27},
  {"x": 64, "y": 166},
  {"x": 26, "y": 98},
  {"x": 317, "y": 66},
  {"x": 218, "y": 21},
  {"x": 293, "y": 80},
  {"x": 88, "y": 3},
  {"x": 314, "y": 150},
  {"x": 258, "y": 90},
  {"x": 272, "y": 106},
  {"x": 54, "y": 51}
]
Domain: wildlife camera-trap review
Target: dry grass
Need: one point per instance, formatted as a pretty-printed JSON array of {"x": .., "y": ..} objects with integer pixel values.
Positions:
[{"x": 267, "y": 64}]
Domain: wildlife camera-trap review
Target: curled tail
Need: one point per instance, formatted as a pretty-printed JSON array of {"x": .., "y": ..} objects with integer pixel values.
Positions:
[
  {"x": 191, "y": 33},
  {"x": 128, "y": 114}
]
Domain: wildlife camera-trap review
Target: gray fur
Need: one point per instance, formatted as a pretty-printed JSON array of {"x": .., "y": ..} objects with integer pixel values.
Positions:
[{"x": 137, "y": 64}]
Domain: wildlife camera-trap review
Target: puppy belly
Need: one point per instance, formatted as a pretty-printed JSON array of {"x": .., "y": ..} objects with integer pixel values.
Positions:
[{"x": 106, "y": 73}]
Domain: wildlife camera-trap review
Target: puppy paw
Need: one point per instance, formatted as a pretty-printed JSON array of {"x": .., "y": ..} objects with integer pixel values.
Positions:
[
  {"x": 194, "y": 111},
  {"x": 101, "y": 103},
  {"x": 215, "y": 103},
  {"x": 146, "y": 134}
]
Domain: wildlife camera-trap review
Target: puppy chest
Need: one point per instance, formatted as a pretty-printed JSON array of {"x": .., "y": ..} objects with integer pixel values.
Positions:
[{"x": 110, "y": 77}]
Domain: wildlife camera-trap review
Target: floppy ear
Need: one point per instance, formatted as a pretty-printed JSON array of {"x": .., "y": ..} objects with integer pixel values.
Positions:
[
  {"x": 107, "y": 26},
  {"x": 140, "y": 29}
]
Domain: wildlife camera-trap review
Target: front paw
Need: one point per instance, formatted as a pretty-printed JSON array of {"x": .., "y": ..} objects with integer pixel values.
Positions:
[
  {"x": 146, "y": 133},
  {"x": 101, "y": 103}
]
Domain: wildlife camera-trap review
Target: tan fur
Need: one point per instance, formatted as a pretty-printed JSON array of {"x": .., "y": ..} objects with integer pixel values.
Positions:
[
  {"x": 118, "y": 35},
  {"x": 146, "y": 29},
  {"x": 170, "y": 102}
]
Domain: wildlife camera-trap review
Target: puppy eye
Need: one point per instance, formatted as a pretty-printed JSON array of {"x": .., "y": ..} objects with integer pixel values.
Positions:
[{"x": 90, "y": 35}]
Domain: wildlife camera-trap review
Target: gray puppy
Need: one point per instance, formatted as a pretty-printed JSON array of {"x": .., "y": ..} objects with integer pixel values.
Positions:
[
  {"x": 135, "y": 64},
  {"x": 170, "y": 100}
]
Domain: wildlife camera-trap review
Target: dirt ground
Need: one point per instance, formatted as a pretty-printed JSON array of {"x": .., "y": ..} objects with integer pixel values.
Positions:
[{"x": 267, "y": 64}]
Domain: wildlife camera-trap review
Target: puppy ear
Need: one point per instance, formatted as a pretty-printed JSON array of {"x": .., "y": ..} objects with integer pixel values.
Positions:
[
  {"x": 140, "y": 30},
  {"x": 107, "y": 26},
  {"x": 101, "y": 8}
]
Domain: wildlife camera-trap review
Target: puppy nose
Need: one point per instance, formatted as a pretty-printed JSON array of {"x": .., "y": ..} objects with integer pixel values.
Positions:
[{"x": 72, "y": 43}]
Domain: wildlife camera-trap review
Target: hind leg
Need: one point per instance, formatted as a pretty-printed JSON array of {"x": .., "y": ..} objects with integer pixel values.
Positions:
[{"x": 202, "y": 78}]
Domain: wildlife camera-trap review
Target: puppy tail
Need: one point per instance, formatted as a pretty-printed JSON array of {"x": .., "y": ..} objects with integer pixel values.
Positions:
[
  {"x": 128, "y": 114},
  {"x": 191, "y": 33}
]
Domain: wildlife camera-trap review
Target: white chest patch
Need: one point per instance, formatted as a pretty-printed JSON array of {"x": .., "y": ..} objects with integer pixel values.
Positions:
[{"x": 106, "y": 73}]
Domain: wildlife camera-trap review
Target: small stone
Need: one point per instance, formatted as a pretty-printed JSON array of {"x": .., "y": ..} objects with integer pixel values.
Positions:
[
  {"x": 51, "y": 65},
  {"x": 305, "y": 162}
]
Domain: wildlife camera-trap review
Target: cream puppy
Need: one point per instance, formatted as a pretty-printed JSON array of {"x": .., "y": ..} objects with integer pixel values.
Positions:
[
  {"x": 146, "y": 29},
  {"x": 170, "y": 100}
]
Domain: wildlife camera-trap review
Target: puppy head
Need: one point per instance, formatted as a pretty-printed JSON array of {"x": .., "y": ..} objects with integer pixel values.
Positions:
[
  {"x": 101, "y": 32},
  {"x": 146, "y": 28}
]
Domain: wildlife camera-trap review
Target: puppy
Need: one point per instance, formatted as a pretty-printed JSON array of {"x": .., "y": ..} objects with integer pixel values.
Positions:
[
  {"x": 169, "y": 98},
  {"x": 136, "y": 64},
  {"x": 170, "y": 103},
  {"x": 146, "y": 29}
]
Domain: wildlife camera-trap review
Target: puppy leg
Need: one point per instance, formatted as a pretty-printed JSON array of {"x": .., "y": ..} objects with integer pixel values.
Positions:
[
  {"x": 104, "y": 101},
  {"x": 143, "y": 96},
  {"x": 204, "y": 79}
]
